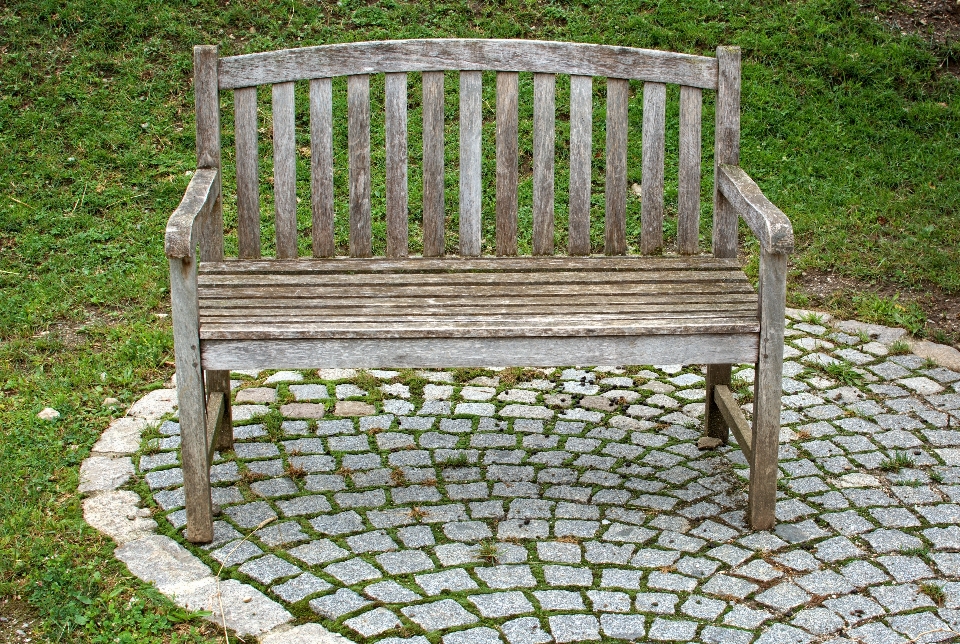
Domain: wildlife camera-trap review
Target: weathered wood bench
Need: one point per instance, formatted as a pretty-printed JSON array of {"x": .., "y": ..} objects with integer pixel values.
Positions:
[{"x": 473, "y": 310}]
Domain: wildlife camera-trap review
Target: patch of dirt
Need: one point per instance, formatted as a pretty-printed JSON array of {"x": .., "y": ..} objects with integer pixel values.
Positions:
[
  {"x": 16, "y": 621},
  {"x": 835, "y": 293},
  {"x": 935, "y": 19}
]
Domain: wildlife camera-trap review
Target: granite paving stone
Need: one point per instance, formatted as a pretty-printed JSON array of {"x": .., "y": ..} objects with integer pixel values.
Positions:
[{"x": 440, "y": 615}]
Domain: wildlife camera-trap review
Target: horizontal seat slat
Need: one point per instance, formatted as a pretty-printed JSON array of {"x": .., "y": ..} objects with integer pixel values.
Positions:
[
  {"x": 306, "y": 266},
  {"x": 505, "y": 329},
  {"x": 427, "y": 55},
  {"x": 608, "y": 301},
  {"x": 400, "y": 279}
]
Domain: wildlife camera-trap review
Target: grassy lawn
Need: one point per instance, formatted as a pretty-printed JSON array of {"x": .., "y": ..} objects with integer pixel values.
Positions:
[{"x": 853, "y": 129}]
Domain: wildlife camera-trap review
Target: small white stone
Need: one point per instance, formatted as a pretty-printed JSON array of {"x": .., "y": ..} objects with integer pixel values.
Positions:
[
  {"x": 48, "y": 413},
  {"x": 858, "y": 479}
]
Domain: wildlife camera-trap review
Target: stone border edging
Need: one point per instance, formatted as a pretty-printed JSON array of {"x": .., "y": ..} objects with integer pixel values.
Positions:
[
  {"x": 160, "y": 560},
  {"x": 189, "y": 583}
]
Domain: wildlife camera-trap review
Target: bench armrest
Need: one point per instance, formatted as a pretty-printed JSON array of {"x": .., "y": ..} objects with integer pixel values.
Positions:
[
  {"x": 181, "y": 238},
  {"x": 767, "y": 222}
]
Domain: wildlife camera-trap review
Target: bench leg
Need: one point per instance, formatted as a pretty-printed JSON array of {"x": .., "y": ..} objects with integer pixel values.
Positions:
[
  {"x": 191, "y": 400},
  {"x": 768, "y": 385},
  {"x": 220, "y": 381},
  {"x": 713, "y": 423}
]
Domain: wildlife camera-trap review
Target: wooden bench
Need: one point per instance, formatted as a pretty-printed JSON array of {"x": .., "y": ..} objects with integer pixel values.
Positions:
[{"x": 498, "y": 309}]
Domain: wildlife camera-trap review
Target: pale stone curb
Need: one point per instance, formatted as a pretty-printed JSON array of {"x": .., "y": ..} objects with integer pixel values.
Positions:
[
  {"x": 944, "y": 355},
  {"x": 160, "y": 560}
]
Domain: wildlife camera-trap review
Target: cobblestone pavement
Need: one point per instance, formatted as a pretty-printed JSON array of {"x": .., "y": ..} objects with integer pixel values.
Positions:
[{"x": 567, "y": 505}]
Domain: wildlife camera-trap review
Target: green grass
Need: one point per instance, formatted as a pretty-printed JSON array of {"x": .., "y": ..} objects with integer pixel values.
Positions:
[{"x": 851, "y": 128}]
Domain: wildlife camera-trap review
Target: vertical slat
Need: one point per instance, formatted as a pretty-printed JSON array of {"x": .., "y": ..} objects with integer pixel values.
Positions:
[
  {"x": 615, "y": 223},
  {"x": 581, "y": 159},
  {"x": 470, "y": 129},
  {"x": 544, "y": 140},
  {"x": 248, "y": 172},
  {"x": 284, "y": 171},
  {"x": 651, "y": 199},
  {"x": 396, "y": 134},
  {"x": 688, "y": 197},
  {"x": 727, "y": 147},
  {"x": 321, "y": 166},
  {"x": 358, "y": 134},
  {"x": 207, "y": 105},
  {"x": 767, "y": 391},
  {"x": 507, "y": 102},
  {"x": 433, "y": 208}
]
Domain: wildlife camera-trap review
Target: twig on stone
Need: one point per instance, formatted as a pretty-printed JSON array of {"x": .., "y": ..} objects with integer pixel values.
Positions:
[{"x": 223, "y": 614}]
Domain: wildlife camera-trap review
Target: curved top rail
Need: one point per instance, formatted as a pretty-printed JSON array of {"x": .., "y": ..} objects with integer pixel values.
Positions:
[{"x": 467, "y": 54}]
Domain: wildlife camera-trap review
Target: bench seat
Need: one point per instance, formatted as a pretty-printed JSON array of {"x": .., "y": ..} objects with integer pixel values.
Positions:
[{"x": 590, "y": 306}]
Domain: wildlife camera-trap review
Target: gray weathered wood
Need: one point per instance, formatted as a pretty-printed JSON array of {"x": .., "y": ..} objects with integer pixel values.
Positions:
[
  {"x": 396, "y": 189},
  {"x": 471, "y": 124},
  {"x": 207, "y": 106},
  {"x": 727, "y": 150},
  {"x": 767, "y": 390},
  {"x": 358, "y": 134},
  {"x": 651, "y": 197},
  {"x": 581, "y": 160},
  {"x": 200, "y": 197},
  {"x": 469, "y": 352},
  {"x": 248, "y": 172},
  {"x": 688, "y": 194},
  {"x": 507, "y": 102},
  {"x": 321, "y": 166},
  {"x": 734, "y": 418},
  {"x": 433, "y": 185},
  {"x": 615, "y": 221},
  {"x": 714, "y": 422},
  {"x": 768, "y": 223},
  {"x": 190, "y": 399},
  {"x": 468, "y": 54},
  {"x": 544, "y": 143},
  {"x": 284, "y": 171},
  {"x": 215, "y": 406},
  {"x": 474, "y": 264}
]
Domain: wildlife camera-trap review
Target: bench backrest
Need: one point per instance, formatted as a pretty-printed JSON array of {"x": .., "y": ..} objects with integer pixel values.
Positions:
[{"x": 358, "y": 61}]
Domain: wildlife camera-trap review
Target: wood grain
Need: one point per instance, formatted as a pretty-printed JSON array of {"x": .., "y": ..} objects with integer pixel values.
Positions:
[
  {"x": 615, "y": 222},
  {"x": 727, "y": 150},
  {"x": 538, "y": 265},
  {"x": 191, "y": 400},
  {"x": 182, "y": 232},
  {"x": 471, "y": 352},
  {"x": 248, "y": 172},
  {"x": 433, "y": 184},
  {"x": 772, "y": 228},
  {"x": 651, "y": 199},
  {"x": 767, "y": 391},
  {"x": 714, "y": 422},
  {"x": 284, "y": 171},
  {"x": 688, "y": 193},
  {"x": 581, "y": 160},
  {"x": 471, "y": 123},
  {"x": 734, "y": 418},
  {"x": 544, "y": 144},
  {"x": 468, "y": 54},
  {"x": 207, "y": 106},
  {"x": 396, "y": 189},
  {"x": 358, "y": 134},
  {"x": 321, "y": 166},
  {"x": 507, "y": 106}
]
